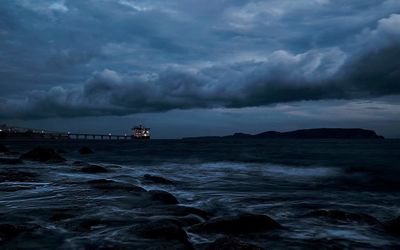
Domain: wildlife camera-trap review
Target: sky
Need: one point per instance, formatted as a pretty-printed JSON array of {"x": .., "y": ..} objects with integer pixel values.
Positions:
[{"x": 191, "y": 68}]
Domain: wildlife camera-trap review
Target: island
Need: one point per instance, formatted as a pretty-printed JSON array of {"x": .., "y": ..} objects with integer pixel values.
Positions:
[{"x": 315, "y": 133}]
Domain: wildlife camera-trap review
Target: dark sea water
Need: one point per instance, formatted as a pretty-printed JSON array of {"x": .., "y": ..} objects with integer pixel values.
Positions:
[{"x": 284, "y": 179}]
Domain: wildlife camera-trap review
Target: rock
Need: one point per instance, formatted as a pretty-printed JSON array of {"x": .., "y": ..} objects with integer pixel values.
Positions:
[
  {"x": 93, "y": 169},
  {"x": 338, "y": 215},
  {"x": 153, "y": 179},
  {"x": 9, "y": 232},
  {"x": 161, "y": 230},
  {"x": 113, "y": 185},
  {"x": 163, "y": 197},
  {"x": 238, "y": 224},
  {"x": 228, "y": 243},
  {"x": 393, "y": 226},
  {"x": 11, "y": 161},
  {"x": 164, "y": 235},
  {"x": 61, "y": 151},
  {"x": 43, "y": 155},
  {"x": 85, "y": 151},
  {"x": 4, "y": 149}
]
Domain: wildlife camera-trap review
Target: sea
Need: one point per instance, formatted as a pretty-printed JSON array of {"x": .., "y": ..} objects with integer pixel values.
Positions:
[{"x": 287, "y": 180}]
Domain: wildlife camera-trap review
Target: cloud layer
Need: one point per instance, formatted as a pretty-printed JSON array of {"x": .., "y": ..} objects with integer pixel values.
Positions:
[{"x": 98, "y": 58}]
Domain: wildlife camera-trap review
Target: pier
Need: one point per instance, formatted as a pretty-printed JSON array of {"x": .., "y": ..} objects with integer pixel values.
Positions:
[
  {"x": 96, "y": 137},
  {"x": 19, "y": 133}
]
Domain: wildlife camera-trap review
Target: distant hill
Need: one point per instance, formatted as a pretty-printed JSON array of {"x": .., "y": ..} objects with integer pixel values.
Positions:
[{"x": 317, "y": 133}]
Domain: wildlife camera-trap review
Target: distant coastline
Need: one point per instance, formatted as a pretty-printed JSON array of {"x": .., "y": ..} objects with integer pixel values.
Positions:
[{"x": 316, "y": 133}]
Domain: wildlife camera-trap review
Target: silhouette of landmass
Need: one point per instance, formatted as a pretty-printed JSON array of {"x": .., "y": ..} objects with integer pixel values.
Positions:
[{"x": 317, "y": 133}]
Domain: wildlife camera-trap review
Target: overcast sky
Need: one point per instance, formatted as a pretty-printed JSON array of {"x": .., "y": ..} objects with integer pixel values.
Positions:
[{"x": 209, "y": 67}]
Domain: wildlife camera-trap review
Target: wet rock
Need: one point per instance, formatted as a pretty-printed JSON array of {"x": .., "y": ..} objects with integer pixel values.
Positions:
[
  {"x": 393, "y": 226},
  {"x": 11, "y": 161},
  {"x": 9, "y": 232},
  {"x": 4, "y": 149},
  {"x": 43, "y": 155},
  {"x": 153, "y": 179},
  {"x": 85, "y": 151},
  {"x": 94, "y": 169},
  {"x": 343, "y": 216},
  {"x": 113, "y": 185},
  {"x": 28, "y": 236},
  {"x": 238, "y": 224},
  {"x": 163, "y": 197},
  {"x": 17, "y": 176},
  {"x": 165, "y": 235},
  {"x": 228, "y": 243},
  {"x": 181, "y": 221},
  {"x": 160, "y": 230}
]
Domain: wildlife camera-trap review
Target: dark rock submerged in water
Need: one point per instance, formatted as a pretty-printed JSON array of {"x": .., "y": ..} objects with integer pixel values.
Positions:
[
  {"x": 160, "y": 230},
  {"x": 43, "y": 155},
  {"x": 242, "y": 223},
  {"x": 163, "y": 197},
  {"x": 85, "y": 151},
  {"x": 153, "y": 179},
  {"x": 93, "y": 169},
  {"x": 4, "y": 149},
  {"x": 228, "y": 243},
  {"x": 163, "y": 230},
  {"x": 393, "y": 226},
  {"x": 62, "y": 151},
  {"x": 9, "y": 232},
  {"x": 338, "y": 215}
]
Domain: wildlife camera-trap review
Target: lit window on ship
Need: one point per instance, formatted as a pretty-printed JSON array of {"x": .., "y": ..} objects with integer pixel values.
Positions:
[{"x": 140, "y": 132}]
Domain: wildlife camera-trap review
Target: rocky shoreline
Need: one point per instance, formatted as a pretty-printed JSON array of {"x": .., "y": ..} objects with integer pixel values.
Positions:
[{"x": 159, "y": 217}]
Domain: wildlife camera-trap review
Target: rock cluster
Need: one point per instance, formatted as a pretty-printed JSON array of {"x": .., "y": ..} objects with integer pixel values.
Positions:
[
  {"x": 85, "y": 151},
  {"x": 4, "y": 149},
  {"x": 43, "y": 155},
  {"x": 238, "y": 224}
]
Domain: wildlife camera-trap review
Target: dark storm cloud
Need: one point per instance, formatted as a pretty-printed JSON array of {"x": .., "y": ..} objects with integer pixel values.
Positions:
[{"x": 96, "y": 58}]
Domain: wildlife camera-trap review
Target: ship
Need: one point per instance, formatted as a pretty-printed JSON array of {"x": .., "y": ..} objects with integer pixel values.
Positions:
[{"x": 140, "y": 132}]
